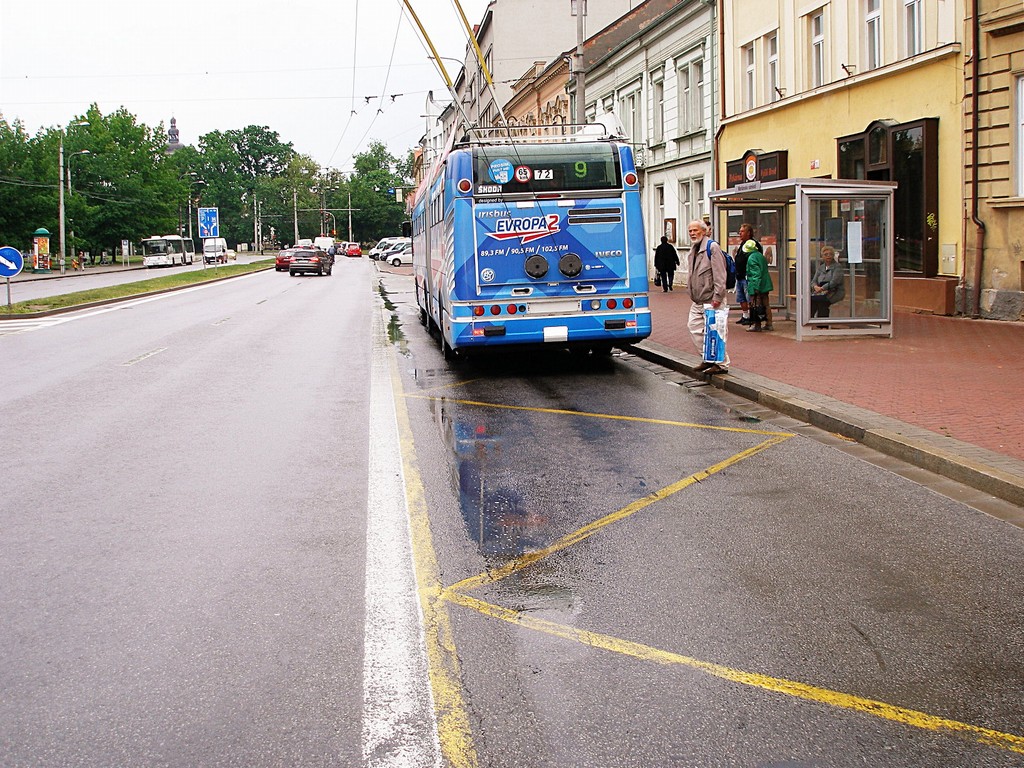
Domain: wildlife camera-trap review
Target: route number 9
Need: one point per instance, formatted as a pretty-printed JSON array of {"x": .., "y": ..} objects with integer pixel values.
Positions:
[{"x": 581, "y": 169}]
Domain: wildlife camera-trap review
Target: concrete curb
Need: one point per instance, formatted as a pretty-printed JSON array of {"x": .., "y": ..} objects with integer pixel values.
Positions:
[{"x": 978, "y": 468}]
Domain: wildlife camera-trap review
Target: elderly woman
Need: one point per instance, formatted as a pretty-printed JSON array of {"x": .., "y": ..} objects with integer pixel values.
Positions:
[{"x": 827, "y": 285}]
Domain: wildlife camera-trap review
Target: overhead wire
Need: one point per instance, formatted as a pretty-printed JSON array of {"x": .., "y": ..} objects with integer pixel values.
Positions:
[
  {"x": 352, "y": 102},
  {"x": 387, "y": 76}
]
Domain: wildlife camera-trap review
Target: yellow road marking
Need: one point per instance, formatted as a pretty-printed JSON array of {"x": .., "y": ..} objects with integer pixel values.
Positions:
[
  {"x": 613, "y": 416},
  {"x": 521, "y": 562},
  {"x": 454, "y": 735},
  {"x": 456, "y": 740},
  {"x": 911, "y": 717}
]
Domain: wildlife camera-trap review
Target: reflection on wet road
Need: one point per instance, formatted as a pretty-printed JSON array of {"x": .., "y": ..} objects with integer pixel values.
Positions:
[{"x": 589, "y": 517}]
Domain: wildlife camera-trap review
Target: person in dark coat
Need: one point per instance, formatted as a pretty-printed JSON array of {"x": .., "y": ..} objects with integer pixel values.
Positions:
[
  {"x": 740, "y": 258},
  {"x": 665, "y": 262}
]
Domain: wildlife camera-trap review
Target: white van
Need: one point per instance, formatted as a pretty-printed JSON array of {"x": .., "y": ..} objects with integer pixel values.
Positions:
[
  {"x": 323, "y": 242},
  {"x": 378, "y": 250},
  {"x": 215, "y": 250}
]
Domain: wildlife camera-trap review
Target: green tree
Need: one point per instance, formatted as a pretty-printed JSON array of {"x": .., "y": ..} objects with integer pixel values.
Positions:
[
  {"x": 126, "y": 188},
  {"x": 235, "y": 165},
  {"x": 24, "y": 197},
  {"x": 377, "y": 175}
]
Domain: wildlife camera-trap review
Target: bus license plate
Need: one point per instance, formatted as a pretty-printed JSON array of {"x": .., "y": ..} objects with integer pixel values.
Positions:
[{"x": 555, "y": 307}]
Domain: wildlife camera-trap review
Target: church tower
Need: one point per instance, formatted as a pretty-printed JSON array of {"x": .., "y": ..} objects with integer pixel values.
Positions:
[{"x": 173, "y": 145}]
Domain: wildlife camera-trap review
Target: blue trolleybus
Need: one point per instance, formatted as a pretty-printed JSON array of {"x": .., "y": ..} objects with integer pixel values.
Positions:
[{"x": 532, "y": 237}]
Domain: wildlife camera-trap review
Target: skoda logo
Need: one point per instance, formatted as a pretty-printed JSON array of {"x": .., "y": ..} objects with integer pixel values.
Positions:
[{"x": 487, "y": 275}]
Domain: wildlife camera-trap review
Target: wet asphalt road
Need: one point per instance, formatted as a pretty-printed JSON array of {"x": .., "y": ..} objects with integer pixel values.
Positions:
[
  {"x": 818, "y": 584},
  {"x": 627, "y": 571}
]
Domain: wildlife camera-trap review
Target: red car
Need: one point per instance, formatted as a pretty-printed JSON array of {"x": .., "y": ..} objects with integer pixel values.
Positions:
[
  {"x": 283, "y": 260},
  {"x": 353, "y": 249}
]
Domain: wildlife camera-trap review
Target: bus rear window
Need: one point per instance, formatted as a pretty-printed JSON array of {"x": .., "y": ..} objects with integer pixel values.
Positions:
[{"x": 536, "y": 168}]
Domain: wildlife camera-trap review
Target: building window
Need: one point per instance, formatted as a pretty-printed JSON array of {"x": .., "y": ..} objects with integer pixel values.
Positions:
[
  {"x": 659, "y": 202},
  {"x": 817, "y": 49},
  {"x": 749, "y": 73},
  {"x": 873, "y": 35},
  {"x": 690, "y": 95},
  {"x": 697, "y": 94},
  {"x": 691, "y": 200},
  {"x": 771, "y": 47},
  {"x": 913, "y": 32},
  {"x": 629, "y": 106},
  {"x": 685, "y": 212},
  {"x": 658, "y": 97}
]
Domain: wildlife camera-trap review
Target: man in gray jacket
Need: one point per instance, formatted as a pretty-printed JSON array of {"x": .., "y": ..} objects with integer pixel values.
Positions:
[{"x": 707, "y": 286}]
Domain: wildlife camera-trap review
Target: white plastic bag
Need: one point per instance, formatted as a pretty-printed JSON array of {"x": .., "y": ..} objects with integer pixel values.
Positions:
[{"x": 714, "y": 334}]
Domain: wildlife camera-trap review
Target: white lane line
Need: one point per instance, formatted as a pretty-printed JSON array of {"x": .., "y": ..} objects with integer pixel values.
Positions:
[
  {"x": 17, "y": 326},
  {"x": 146, "y": 355},
  {"x": 399, "y": 727}
]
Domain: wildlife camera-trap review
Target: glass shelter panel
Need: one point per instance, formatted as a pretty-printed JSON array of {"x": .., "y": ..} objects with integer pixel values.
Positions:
[
  {"x": 848, "y": 260},
  {"x": 768, "y": 223}
]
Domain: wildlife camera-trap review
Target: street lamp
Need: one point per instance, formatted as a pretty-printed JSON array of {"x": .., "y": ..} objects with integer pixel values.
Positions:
[
  {"x": 74, "y": 154},
  {"x": 60, "y": 187},
  {"x": 195, "y": 182},
  {"x": 72, "y": 237}
]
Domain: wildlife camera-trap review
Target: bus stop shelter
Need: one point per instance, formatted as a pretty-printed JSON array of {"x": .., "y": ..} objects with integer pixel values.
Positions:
[{"x": 794, "y": 220}]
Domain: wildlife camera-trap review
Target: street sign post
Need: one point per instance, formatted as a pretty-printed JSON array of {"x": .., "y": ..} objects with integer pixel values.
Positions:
[
  {"x": 209, "y": 226},
  {"x": 11, "y": 263},
  {"x": 209, "y": 223}
]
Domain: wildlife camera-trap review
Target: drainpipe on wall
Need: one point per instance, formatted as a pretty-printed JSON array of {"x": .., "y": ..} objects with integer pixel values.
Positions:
[
  {"x": 979, "y": 244},
  {"x": 718, "y": 9}
]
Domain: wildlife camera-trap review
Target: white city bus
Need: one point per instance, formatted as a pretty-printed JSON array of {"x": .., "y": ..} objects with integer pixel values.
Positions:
[{"x": 167, "y": 251}]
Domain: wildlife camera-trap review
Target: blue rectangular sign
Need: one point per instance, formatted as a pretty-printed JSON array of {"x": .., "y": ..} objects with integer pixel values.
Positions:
[{"x": 209, "y": 224}]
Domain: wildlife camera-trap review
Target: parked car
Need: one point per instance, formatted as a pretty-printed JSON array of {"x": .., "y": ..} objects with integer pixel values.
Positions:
[
  {"x": 378, "y": 250},
  {"x": 310, "y": 260},
  {"x": 399, "y": 255},
  {"x": 353, "y": 249},
  {"x": 398, "y": 241},
  {"x": 284, "y": 258}
]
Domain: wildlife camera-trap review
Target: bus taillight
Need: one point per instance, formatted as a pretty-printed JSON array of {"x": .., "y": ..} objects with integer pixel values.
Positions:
[
  {"x": 495, "y": 309},
  {"x": 478, "y": 311},
  {"x": 627, "y": 303},
  {"x": 512, "y": 309},
  {"x": 465, "y": 185},
  {"x": 630, "y": 179},
  {"x": 612, "y": 303}
]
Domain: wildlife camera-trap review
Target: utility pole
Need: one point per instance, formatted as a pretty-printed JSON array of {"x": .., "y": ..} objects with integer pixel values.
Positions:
[
  {"x": 579, "y": 11},
  {"x": 295, "y": 213},
  {"x": 60, "y": 184},
  {"x": 350, "y": 216}
]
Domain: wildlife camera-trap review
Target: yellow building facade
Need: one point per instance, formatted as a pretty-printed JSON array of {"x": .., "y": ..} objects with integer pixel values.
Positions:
[{"x": 857, "y": 89}]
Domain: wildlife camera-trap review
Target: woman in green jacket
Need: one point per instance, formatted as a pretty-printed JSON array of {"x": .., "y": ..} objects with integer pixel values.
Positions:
[{"x": 759, "y": 285}]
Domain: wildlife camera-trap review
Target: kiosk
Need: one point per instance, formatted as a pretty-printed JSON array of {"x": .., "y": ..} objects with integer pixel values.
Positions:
[{"x": 795, "y": 220}]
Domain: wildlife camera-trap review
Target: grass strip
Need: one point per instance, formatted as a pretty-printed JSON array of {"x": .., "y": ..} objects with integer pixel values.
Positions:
[{"x": 125, "y": 290}]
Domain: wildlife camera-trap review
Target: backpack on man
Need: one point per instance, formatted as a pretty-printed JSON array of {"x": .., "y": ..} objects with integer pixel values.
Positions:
[{"x": 730, "y": 266}]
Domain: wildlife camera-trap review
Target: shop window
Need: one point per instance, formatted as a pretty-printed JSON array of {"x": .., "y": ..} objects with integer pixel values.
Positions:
[{"x": 906, "y": 153}]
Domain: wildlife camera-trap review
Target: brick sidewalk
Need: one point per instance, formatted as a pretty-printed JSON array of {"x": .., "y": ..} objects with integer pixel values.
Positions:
[{"x": 956, "y": 377}]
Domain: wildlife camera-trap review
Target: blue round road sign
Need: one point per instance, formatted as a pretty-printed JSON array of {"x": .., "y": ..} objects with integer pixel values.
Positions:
[{"x": 11, "y": 261}]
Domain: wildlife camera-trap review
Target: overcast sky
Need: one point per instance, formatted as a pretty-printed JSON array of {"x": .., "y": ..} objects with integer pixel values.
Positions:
[{"x": 315, "y": 72}]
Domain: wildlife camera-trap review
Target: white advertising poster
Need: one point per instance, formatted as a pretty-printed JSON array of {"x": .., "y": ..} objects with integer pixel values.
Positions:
[{"x": 854, "y": 252}]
